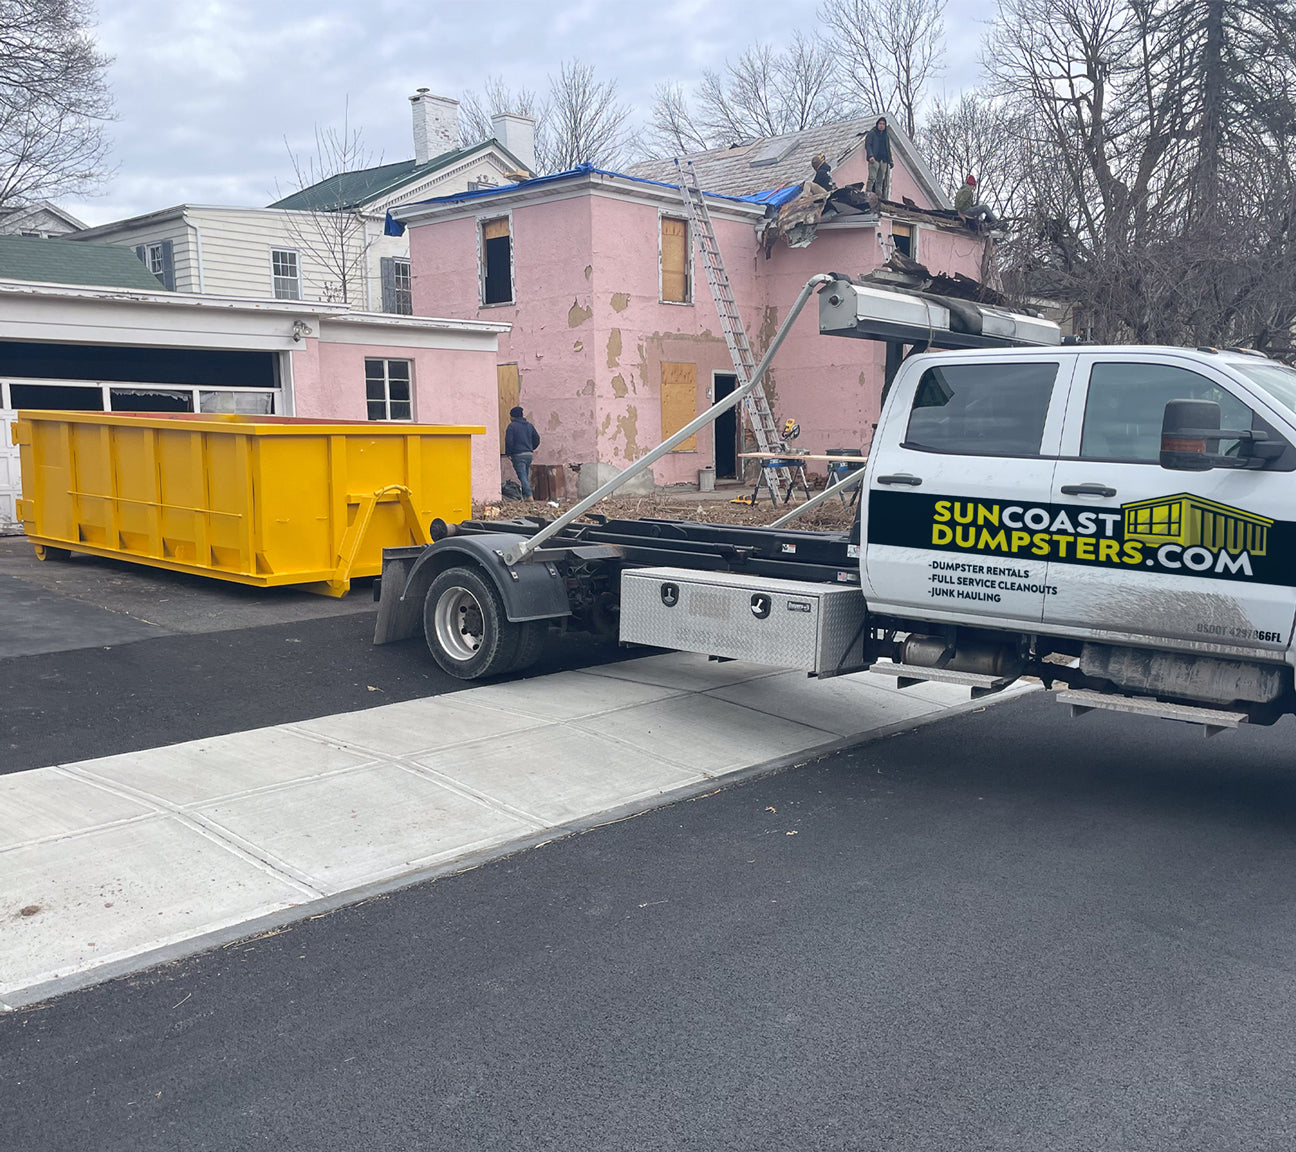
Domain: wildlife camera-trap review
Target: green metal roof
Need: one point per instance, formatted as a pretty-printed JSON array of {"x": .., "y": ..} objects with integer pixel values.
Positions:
[
  {"x": 73, "y": 262},
  {"x": 355, "y": 189}
]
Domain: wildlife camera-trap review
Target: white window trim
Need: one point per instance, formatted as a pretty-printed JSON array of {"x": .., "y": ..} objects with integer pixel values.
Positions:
[
  {"x": 387, "y": 400},
  {"x": 154, "y": 258},
  {"x": 297, "y": 260},
  {"x": 690, "y": 260},
  {"x": 481, "y": 221}
]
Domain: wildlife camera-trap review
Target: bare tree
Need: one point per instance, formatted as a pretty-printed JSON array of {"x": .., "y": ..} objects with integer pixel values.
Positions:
[
  {"x": 1166, "y": 219},
  {"x": 890, "y": 51},
  {"x": 496, "y": 98},
  {"x": 763, "y": 92},
  {"x": 977, "y": 135},
  {"x": 586, "y": 124},
  {"x": 580, "y": 121},
  {"x": 54, "y": 100},
  {"x": 672, "y": 129},
  {"x": 328, "y": 224}
]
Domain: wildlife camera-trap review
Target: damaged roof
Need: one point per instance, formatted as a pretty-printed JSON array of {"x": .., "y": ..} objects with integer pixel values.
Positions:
[{"x": 754, "y": 166}]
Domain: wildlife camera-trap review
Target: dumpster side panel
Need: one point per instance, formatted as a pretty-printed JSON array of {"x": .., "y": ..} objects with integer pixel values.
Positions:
[{"x": 254, "y": 499}]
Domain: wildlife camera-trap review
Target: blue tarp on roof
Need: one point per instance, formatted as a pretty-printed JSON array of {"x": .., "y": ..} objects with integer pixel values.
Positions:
[{"x": 775, "y": 198}]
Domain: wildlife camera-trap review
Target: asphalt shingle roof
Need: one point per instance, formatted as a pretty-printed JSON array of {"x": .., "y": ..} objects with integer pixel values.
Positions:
[
  {"x": 730, "y": 170},
  {"x": 73, "y": 262},
  {"x": 356, "y": 189}
]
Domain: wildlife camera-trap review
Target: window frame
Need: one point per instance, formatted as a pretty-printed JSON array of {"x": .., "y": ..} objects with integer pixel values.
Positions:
[
  {"x": 910, "y": 231},
  {"x": 482, "y": 263},
  {"x": 387, "y": 400},
  {"x": 276, "y": 276},
  {"x": 1050, "y": 424},
  {"x": 689, "y": 295},
  {"x": 1155, "y": 460}
]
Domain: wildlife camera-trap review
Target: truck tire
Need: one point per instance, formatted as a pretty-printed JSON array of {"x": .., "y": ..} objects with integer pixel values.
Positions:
[
  {"x": 467, "y": 631},
  {"x": 531, "y": 643}
]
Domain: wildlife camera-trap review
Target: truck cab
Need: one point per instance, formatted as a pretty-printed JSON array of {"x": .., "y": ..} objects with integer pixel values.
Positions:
[{"x": 1045, "y": 493}]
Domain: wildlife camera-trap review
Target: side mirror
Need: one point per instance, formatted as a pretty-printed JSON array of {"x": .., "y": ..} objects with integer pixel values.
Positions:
[{"x": 1190, "y": 434}]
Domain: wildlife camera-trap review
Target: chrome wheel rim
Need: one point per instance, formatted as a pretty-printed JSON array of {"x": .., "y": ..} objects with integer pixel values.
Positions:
[{"x": 460, "y": 627}]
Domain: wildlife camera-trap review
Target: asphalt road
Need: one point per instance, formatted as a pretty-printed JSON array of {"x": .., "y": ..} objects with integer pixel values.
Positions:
[
  {"x": 1007, "y": 930},
  {"x": 100, "y": 657}
]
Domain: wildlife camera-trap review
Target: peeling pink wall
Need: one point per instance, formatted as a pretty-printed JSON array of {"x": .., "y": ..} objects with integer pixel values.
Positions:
[
  {"x": 451, "y": 386},
  {"x": 590, "y": 331}
]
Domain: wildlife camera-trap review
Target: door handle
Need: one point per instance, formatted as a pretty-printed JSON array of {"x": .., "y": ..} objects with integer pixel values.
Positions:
[
  {"x": 1087, "y": 490},
  {"x": 900, "y": 478}
]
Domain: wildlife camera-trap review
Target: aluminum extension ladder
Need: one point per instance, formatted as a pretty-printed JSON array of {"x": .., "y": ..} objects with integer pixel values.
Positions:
[{"x": 778, "y": 476}]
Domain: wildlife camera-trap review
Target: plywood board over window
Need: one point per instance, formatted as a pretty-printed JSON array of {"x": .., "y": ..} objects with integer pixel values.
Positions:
[
  {"x": 674, "y": 261},
  {"x": 679, "y": 401},
  {"x": 510, "y": 391}
]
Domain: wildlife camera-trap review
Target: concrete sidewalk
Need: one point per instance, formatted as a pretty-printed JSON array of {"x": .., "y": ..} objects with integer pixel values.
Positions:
[{"x": 112, "y": 865}]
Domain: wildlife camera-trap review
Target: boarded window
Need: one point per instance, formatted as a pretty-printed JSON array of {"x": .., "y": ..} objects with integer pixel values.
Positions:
[
  {"x": 510, "y": 392},
  {"x": 675, "y": 261},
  {"x": 497, "y": 262},
  {"x": 679, "y": 401}
]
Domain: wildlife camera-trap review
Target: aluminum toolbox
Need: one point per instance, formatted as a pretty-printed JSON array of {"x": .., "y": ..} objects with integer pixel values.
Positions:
[{"x": 817, "y": 628}]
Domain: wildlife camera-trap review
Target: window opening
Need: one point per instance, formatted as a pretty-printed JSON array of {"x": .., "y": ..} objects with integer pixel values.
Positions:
[{"x": 497, "y": 262}]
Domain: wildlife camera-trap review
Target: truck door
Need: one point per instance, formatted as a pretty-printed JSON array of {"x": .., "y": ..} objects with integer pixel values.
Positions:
[
  {"x": 965, "y": 440},
  {"x": 1144, "y": 554}
]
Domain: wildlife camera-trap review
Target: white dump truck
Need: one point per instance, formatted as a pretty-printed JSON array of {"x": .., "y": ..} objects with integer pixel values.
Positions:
[{"x": 1110, "y": 520}]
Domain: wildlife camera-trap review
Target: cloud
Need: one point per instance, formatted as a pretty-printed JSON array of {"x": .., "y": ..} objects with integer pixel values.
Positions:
[{"x": 208, "y": 91}]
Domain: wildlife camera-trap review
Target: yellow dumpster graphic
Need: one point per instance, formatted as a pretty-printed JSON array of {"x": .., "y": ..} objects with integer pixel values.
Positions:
[
  {"x": 260, "y": 500},
  {"x": 1191, "y": 520}
]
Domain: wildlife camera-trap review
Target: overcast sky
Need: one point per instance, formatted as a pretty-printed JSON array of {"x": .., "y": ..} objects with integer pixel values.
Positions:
[{"x": 207, "y": 91}]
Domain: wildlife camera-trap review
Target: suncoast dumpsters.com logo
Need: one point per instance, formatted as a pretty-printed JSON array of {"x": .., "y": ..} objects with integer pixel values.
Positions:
[{"x": 1181, "y": 534}]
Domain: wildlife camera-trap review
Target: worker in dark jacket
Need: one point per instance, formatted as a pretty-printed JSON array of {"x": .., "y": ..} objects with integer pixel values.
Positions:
[
  {"x": 877, "y": 150},
  {"x": 520, "y": 441}
]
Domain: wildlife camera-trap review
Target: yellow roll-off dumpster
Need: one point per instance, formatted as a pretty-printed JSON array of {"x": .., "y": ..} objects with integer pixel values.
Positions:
[{"x": 261, "y": 500}]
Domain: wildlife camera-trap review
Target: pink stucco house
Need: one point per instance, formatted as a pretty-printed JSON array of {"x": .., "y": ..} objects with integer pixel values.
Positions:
[{"x": 615, "y": 342}]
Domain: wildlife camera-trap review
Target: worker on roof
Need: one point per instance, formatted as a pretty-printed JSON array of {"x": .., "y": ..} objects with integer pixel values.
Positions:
[
  {"x": 877, "y": 150},
  {"x": 969, "y": 207},
  {"x": 823, "y": 173}
]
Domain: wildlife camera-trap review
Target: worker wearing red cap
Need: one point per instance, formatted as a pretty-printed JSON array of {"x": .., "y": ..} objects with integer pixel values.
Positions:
[{"x": 969, "y": 207}]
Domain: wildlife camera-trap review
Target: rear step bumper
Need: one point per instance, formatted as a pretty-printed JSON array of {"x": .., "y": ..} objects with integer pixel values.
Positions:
[
  {"x": 1213, "y": 720},
  {"x": 908, "y": 674}
]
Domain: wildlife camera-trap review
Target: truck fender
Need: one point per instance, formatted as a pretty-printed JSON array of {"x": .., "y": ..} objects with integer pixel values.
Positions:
[{"x": 529, "y": 591}]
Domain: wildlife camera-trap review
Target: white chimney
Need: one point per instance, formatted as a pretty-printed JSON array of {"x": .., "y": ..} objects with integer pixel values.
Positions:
[
  {"x": 517, "y": 134},
  {"x": 436, "y": 125}
]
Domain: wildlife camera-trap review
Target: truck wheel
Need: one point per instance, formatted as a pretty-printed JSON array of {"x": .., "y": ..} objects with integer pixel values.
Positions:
[
  {"x": 466, "y": 628},
  {"x": 531, "y": 642}
]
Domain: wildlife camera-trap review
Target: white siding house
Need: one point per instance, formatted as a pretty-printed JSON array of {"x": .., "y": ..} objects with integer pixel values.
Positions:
[{"x": 325, "y": 243}]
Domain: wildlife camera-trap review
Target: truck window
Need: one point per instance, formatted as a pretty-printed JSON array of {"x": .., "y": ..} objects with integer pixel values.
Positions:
[
  {"x": 1125, "y": 404},
  {"x": 981, "y": 409}
]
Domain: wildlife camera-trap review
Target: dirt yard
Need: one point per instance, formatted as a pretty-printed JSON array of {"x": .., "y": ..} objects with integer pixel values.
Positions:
[{"x": 710, "y": 508}]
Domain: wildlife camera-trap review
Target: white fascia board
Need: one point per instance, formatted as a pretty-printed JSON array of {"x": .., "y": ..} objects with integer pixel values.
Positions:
[
  {"x": 592, "y": 183},
  {"x": 412, "y": 332},
  {"x": 60, "y": 314}
]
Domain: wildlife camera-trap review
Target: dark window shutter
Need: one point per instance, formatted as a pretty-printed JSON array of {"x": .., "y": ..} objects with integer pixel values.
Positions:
[
  {"x": 168, "y": 265},
  {"x": 387, "y": 270},
  {"x": 142, "y": 253}
]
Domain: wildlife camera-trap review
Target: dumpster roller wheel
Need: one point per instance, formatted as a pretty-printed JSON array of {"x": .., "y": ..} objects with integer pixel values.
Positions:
[
  {"x": 49, "y": 552},
  {"x": 466, "y": 628}
]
